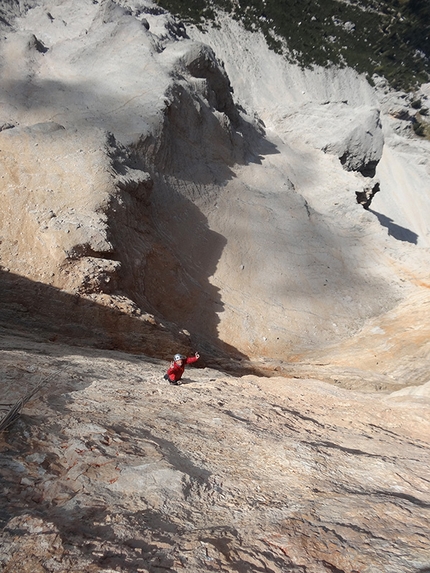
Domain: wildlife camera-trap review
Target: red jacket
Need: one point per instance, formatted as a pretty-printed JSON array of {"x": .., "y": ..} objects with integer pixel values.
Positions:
[{"x": 175, "y": 371}]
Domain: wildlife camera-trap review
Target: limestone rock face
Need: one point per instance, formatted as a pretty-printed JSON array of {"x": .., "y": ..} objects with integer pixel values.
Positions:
[
  {"x": 314, "y": 119},
  {"x": 201, "y": 62},
  {"x": 79, "y": 211},
  {"x": 61, "y": 190},
  {"x": 111, "y": 469},
  {"x": 203, "y": 174},
  {"x": 56, "y": 190},
  {"x": 164, "y": 190}
]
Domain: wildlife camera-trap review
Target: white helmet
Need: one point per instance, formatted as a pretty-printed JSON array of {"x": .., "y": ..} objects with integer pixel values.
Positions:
[{"x": 179, "y": 357}]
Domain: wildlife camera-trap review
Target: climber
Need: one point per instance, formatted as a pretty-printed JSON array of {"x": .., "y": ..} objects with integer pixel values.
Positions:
[{"x": 177, "y": 367}]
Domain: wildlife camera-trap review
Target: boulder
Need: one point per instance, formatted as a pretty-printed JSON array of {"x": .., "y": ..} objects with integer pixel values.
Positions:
[{"x": 360, "y": 148}]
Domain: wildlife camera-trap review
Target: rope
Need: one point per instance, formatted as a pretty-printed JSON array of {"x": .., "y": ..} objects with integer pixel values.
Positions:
[{"x": 16, "y": 409}]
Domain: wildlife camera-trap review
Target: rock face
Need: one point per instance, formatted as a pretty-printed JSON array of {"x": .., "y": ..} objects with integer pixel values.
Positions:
[
  {"x": 165, "y": 190},
  {"x": 112, "y": 469},
  {"x": 78, "y": 213},
  {"x": 57, "y": 233},
  {"x": 223, "y": 199}
]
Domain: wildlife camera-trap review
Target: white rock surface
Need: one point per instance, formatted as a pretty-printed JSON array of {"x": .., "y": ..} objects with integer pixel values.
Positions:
[{"x": 305, "y": 112}]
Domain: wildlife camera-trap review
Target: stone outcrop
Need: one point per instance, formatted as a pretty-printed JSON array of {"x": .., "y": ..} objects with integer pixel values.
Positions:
[
  {"x": 56, "y": 191},
  {"x": 361, "y": 149},
  {"x": 171, "y": 191},
  {"x": 61, "y": 191},
  {"x": 79, "y": 201}
]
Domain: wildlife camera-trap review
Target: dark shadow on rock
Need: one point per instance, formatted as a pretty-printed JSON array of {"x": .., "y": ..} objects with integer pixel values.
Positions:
[
  {"x": 45, "y": 313},
  {"x": 190, "y": 161},
  {"x": 34, "y": 310},
  {"x": 196, "y": 147},
  {"x": 168, "y": 253},
  {"x": 184, "y": 382},
  {"x": 397, "y": 231}
]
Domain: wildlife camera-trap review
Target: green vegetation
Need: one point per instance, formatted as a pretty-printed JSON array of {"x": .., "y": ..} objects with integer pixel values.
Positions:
[{"x": 387, "y": 37}]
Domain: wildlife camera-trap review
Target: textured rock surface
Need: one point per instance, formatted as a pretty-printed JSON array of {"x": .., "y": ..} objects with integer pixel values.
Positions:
[
  {"x": 112, "y": 469},
  {"x": 361, "y": 149},
  {"x": 61, "y": 261}
]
